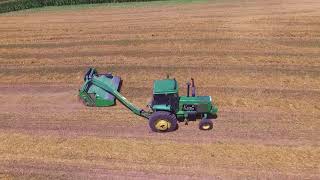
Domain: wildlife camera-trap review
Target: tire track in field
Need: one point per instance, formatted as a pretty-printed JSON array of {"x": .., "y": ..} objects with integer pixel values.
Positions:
[
  {"x": 231, "y": 125},
  {"x": 150, "y": 53},
  {"x": 221, "y": 68},
  {"x": 55, "y": 170},
  {"x": 126, "y": 42}
]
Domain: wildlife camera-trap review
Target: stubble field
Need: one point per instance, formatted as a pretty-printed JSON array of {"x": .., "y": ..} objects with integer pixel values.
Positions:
[{"x": 259, "y": 60}]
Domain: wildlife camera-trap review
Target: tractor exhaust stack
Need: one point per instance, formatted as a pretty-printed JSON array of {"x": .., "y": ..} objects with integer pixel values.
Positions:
[
  {"x": 188, "y": 89},
  {"x": 193, "y": 88}
]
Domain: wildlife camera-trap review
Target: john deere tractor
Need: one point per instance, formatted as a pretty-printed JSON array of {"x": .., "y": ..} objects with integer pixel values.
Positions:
[{"x": 165, "y": 109}]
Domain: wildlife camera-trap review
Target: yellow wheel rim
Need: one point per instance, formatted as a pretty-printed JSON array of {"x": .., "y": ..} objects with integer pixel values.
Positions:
[
  {"x": 163, "y": 124},
  {"x": 206, "y": 126}
]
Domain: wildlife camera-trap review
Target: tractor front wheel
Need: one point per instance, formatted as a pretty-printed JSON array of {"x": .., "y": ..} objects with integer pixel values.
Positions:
[
  {"x": 162, "y": 121},
  {"x": 205, "y": 124}
]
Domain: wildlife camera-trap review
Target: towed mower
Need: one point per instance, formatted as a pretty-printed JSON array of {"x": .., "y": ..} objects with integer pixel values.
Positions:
[{"x": 165, "y": 109}]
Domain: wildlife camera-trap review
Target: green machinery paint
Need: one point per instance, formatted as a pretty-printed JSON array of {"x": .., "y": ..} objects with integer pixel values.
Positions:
[{"x": 165, "y": 109}]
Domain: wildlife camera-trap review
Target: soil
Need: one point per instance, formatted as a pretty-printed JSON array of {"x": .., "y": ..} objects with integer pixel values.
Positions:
[{"x": 259, "y": 60}]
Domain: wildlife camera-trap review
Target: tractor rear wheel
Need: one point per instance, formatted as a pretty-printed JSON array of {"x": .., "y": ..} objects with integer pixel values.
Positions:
[
  {"x": 162, "y": 121},
  {"x": 205, "y": 124}
]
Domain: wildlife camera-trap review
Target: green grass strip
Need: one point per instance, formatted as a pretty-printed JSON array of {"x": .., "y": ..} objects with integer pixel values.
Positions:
[{"x": 15, "y": 5}]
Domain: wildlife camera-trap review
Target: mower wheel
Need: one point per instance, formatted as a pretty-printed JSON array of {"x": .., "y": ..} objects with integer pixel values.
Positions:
[
  {"x": 162, "y": 121},
  {"x": 82, "y": 101},
  {"x": 205, "y": 124}
]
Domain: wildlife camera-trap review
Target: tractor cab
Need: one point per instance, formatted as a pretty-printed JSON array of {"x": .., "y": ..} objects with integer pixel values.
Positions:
[{"x": 165, "y": 95}]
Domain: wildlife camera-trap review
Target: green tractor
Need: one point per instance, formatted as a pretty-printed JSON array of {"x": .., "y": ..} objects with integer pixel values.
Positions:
[{"x": 165, "y": 109}]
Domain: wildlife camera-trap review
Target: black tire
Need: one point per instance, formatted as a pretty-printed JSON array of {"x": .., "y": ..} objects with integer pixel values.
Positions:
[
  {"x": 162, "y": 121},
  {"x": 205, "y": 124}
]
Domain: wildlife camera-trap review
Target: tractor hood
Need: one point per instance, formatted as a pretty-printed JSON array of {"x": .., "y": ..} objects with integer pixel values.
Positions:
[{"x": 196, "y": 99}]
